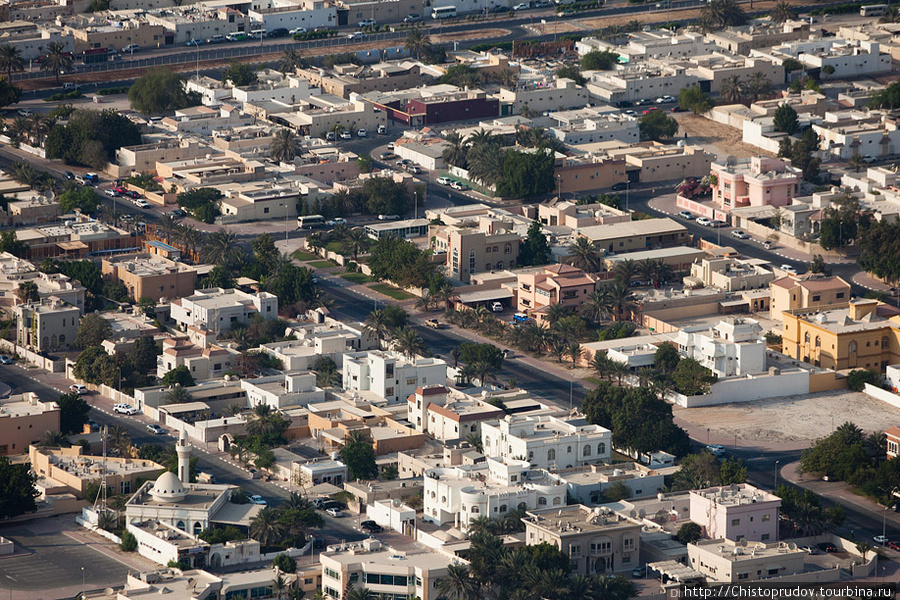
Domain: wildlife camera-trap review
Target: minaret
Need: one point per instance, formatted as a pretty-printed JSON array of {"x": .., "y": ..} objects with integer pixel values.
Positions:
[{"x": 183, "y": 450}]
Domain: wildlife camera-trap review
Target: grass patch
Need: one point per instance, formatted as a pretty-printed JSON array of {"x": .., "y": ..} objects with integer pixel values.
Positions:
[
  {"x": 336, "y": 247},
  {"x": 594, "y": 380},
  {"x": 357, "y": 278},
  {"x": 391, "y": 291},
  {"x": 304, "y": 256},
  {"x": 322, "y": 264}
]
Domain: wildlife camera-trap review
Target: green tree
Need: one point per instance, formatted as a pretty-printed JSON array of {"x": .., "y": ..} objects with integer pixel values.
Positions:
[
  {"x": 161, "y": 90},
  {"x": 858, "y": 378},
  {"x": 266, "y": 527},
  {"x": 128, "y": 543},
  {"x": 239, "y": 74},
  {"x": 92, "y": 331},
  {"x": 417, "y": 43},
  {"x": 889, "y": 97},
  {"x": 9, "y": 93},
  {"x": 10, "y": 243},
  {"x": 879, "y": 250},
  {"x": 11, "y": 60},
  {"x": 657, "y": 125},
  {"x": 666, "y": 358},
  {"x": 691, "y": 378},
  {"x": 525, "y": 173},
  {"x": 285, "y": 146},
  {"x": 785, "y": 119},
  {"x": 180, "y": 375},
  {"x": 84, "y": 199},
  {"x": 17, "y": 489},
  {"x": 616, "y": 491},
  {"x": 571, "y": 72},
  {"x": 57, "y": 60},
  {"x": 689, "y": 532},
  {"x": 27, "y": 292},
  {"x": 73, "y": 413},
  {"x": 597, "y": 60},
  {"x": 91, "y": 137},
  {"x": 359, "y": 457},
  {"x": 535, "y": 250},
  {"x": 719, "y": 14},
  {"x": 285, "y": 564},
  {"x": 94, "y": 365},
  {"x": 695, "y": 100},
  {"x": 386, "y": 196},
  {"x": 365, "y": 163}
]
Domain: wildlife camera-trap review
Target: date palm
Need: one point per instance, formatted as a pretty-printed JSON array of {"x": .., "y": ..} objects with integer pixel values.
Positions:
[
  {"x": 758, "y": 85},
  {"x": 167, "y": 227},
  {"x": 190, "y": 237},
  {"x": 598, "y": 306},
  {"x": 408, "y": 342},
  {"x": 11, "y": 60},
  {"x": 508, "y": 78},
  {"x": 38, "y": 126},
  {"x": 455, "y": 153},
  {"x": 290, "y": 61},
  {"x": 57, "y": 59},
  {"x": 53, "y": 438},
  {"x": 359, "y": 593},
  {"x": 417, "y": 43},
  {"x": 782, "y": 11},
  {"x": 732, "y": 89},
  {"x": 622, "y": 300},
  {"x": 625, "y": 271},
  {"x": 285, "y": 147},
  {"x": 378, "y": 323},
  {"x": 357, "y": 241},
  {"x": 457, "y": 584},
  {"x": 723, "y": 13},
  {"x": 584, "y": 255},
  {"x": 266, "y": 527},
  {"x": 219, "y": 247}
]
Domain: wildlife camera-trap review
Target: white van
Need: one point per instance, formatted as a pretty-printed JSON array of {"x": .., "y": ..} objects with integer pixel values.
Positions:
[
  {"x": 258, "y": 33},
  {"x": 496, "y": 307}
]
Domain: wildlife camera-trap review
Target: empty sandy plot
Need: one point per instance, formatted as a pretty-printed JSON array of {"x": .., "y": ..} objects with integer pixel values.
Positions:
[{"x": 726, "y": 139}]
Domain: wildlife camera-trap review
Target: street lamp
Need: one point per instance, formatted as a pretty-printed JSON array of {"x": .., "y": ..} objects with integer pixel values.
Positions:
[
  {"x": 883, "y": 525},
  {"x": 82, "y": 582},
  {"x": 707, "y": 435},
  {"x": 775, "y": 485},
  {"x": 284, "y": 205}
]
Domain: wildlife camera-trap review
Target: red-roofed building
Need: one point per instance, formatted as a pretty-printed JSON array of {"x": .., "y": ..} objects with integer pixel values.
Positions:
[
  {"x": 815, "y": 293},
  {"x": 448, "y": 416},
  {"x": 539, "y": 289}
]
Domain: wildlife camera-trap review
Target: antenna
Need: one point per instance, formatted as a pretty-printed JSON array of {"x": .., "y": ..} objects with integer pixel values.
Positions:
[{"x": 100, "y": 502}]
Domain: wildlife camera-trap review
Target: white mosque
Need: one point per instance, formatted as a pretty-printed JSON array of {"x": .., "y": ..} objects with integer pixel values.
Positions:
[{"x": 167, "y": 515}]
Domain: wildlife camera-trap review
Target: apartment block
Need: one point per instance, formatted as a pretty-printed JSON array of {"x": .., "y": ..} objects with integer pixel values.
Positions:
[
  {"x": 733, "y": 347},
  {"x": 24, "y": 419},
  {"x": 147, "y": 275},
  {"x": 389, "y": 374},
  {"x": 342, "y": 80},
  {"x": 16, "y": 271},
  {"x": 810, "y": 294},
  {"x": 642, "y": 81},
  {"x": 758, "y": 181},
  {"x": 486, "y": 245},
  {"x": 283, "y": 390},
  {"x": 47, "y": 325},
  {"x": 448, "y": 415},
  {"x": 219, "y": 310},
  {"x": 204, "y": 361},
  {"x": 543, "y": 287},
  {"x": 736, "y": 512},
  {"x": 729, "y": 274}
]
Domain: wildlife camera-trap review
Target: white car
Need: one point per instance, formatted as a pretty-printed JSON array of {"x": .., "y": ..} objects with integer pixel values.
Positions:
[
  {"x": 704, "y": 221},
  {"x": 297, "y": 30},
  {"x": 444, "y": 180},
  {"x": 881, "y": 539},
  {"x": 716, "y": 449},
  {"x": 257, "y": 499},
  {"x": 78, "y": 389},
  {"x": 124, "y": 409},
  {"x": 356, "y": 35},
  {"x": 739, "y": 234},
  {"x": 522, "y": 6},
  {"x": 111, "y": 193},
  {"x": 665, "y": 100},
  {"x": 391, "y": 146},
  {"x": 141, "y": 203},
  {"x": 346, "y": 135},
  {"x": 334, "y": 512},
  {"x": 155, "y": 429},
  {"x": 789, "y": 269},
  {"x": 366, "y": 23},
  {"x": 686, "y": 215},
  {"x": 362, "y": 133}
]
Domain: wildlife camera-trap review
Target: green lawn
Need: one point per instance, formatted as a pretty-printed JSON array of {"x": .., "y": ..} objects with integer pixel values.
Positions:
[
  {"x": 304, "y": 256},
  {"x": 357, "y": 278},
  {"x": 336, "y": 247},
  {"x": 594, "y": 380},
  {"x": 322, "y": 264},
  {"x": 391, "y": 291}
]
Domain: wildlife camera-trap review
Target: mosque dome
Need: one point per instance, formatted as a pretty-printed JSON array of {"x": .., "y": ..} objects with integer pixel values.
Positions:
[{"x": 168, "y": 488}]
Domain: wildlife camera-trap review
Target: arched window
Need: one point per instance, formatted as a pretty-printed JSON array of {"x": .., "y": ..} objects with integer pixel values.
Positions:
[
  {"x": 499, "y": 264},
  {"x": 818, "y": 342},
  {"x": 522, "y": 506},
  {"x": 569, "y": 449},
  {"x": 852, "y": 348},
  {"x": 197, "y": 528},
  {"x": 180, "y": 526},
  {"x": 62, "y": 339},
  {"x": 531, "y": 456},
  {"x": 503, "y": 508},
  {"x": 507, "y": 249},
  {"x": 542, "y": 501},
  {"x": 551, "y": 454},
  {"x": 601, "y": 448},
  {"x": 806, "y": 337},
  {"x": 586, "y": 451},
  {"x": 556, "y": 501},
  {"x": 475, "y": 510}
]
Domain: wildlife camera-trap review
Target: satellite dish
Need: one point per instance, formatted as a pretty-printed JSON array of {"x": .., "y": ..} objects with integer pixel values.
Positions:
[
  {"x": 792, "y": 546},
  {"x": 743, "y": 543},
  {"x": 730, "y": 161},
  {"x": 633, "y": 513},
  {"x": 642, "y": 513}
]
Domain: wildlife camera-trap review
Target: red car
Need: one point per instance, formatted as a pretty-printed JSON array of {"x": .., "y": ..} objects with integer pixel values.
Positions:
[
  {"x": 894, "y": 545},
  {"x": 650, "y": 110},
  {"x": 120, "y": 190}
]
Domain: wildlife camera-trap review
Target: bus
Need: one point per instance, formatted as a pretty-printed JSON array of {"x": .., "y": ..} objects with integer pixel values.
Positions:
[
  {"x": 443, "y": 12},
  {"x": 310, "y": 221},
  {"x": 873, "y": 10}
]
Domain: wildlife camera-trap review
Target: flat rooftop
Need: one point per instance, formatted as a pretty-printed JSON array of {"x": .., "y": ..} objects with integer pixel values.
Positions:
[{"x": 577, "y": 519}]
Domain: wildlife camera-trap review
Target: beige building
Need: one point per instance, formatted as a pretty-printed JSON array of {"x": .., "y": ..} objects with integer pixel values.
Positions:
[
  {"x": 575, "y": 216},
  {"x": 759, "y": 34},
  {"x": 595, "y": 543},
  {"x": 144, "y": 157},
  {"x": 16, "y": 271},
  {"x": 488, "y": 245},
  {"x": 47, "y": 325},
  {"x": 144, "y": 35},
  {"x": 203, "y": 361},
  {"x": 342, "y": 80},
  {"x": 637, "y": 235},
  {"x": 717, "y": 68},
  {"x": 69, "y": 469},
  {"x": 150, "y": 276},
  {"x": 725, "y": 561},
  {"x": 263, "y": 201},
  {"x": 540, "y": 288},
  {"x": 33, "y": 211},
  {"x": 729, "y": 274},
  {"x": 24, "y": 419},
  {"x": 793, "y": 293},
  {"x": 658, "y": 162}
]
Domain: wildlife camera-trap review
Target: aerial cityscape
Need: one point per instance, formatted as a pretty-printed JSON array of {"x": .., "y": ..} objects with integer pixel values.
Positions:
[{"x": 449, "y": 300}]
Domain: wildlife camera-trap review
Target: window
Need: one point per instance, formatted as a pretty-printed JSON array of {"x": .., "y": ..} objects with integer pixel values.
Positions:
[
  {"x": 266, "y": 210},
  {"x": 569, "y": 449},
  {"x": 575, "y": 551},
  {"x": 389, "y": 391},
  {"x": 817, "y": 298},
  {"x": 586, "y": 451},
  {"x": 818, "y": 342},
  {"x": 735, "y": 522},
  {"x": 332, "y": 574},
  {"x": 601, "y": 449},
  {"x": 806, "y": 338},
  {"x": 531, "y": 456},
  {"x": 852, "y": 348},
  {"x": 766, "y": 518},
  {"x": 542, "y": 501},
  {"x": 765, "y": 537},
  {"x": 839, "y": 295},
  {"x": 507, "y": 249},
  {"x": 628, "y": 544},
  {"x": 551, "y": 454},
  {"x": 124, "y": 487}
]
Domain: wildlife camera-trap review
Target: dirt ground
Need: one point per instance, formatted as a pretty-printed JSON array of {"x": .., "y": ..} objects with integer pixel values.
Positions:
[
  {"x": 726, "y": 139},
  {"x": 793, "y": 421},
  {"x": 460, "y": 36}
]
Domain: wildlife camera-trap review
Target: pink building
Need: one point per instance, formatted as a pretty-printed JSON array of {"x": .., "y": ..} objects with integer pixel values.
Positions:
[
  {"x": 736, "y": 512},
  {"x": 540, "y": 288},
  {"x": 759, "y": 181}
]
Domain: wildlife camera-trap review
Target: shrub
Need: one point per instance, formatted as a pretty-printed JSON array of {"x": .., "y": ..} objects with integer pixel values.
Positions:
[{"x": 129, "y": 542}]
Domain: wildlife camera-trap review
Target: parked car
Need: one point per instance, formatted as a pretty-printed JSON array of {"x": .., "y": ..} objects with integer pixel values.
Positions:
[
  {"x": 403, "y": 162},
  {"x": 639, "y": 572},
  {"x": 520, "y": 318},
  {"x": 417, "y": 171},
  {"x": 124, "y": 409},
  {"x": 24, "y": 112},
  {"x": 278, "y": 32},
  {"x": 458, "y": 185},
  {"x": 718, "y": 223},
  {"x": 371, "y": 526},
  {"x": 716, "y": 449},
  {"x": 319, "y": 543},
  {"x": 412, "y": 18},
  {"x": 297, "y": 30},
  {"x": 826, "y": 547},
  {"x": 337, "y": 221},
  {"x": 155, "y": 429},
  {"x": 78, "y": 389},
  {"x": 665, "y": 100},
  {"x": 767, "y": 244},
  {"x": 130, "y": 49},
  {"x": 328, "y": 503},
  {"x": 521, "y": 6},
  {"x": 5, "y": 360},
  {"x": 356, "y": 35},
  {"x": 195, "y": 43},
  {"x": 111, "y": 193},
  {"x": 120, "y": 190},
  {"x": 739, "y": 234},
  {"x": 788, "y": 269},
  {"x": 566, "y": 14},
  {"x": 362, "y": 133},
  {"x": 346, "y": 135},
  {"x": 434, "y": 324},
  {"x": 620, "y": 186},
  {"x": 893, "y": 545},
  {"x": 216, "y": 39},
  {"x": 704, "y": 221},
  {"x": 496, "y": 307},
  {"x": 391, "y": 147},
  {"x": 444, "y": 180},
  {"x": 69, "y": 175},
  {"x": 178, "y": 213},
  {"x": 366, "y": 23},
  {"x": 318, "y": 502},
  {"x": 141, "y": 203},
  {"x": 686, "y": 215},
  {"x": 257, "y": 499},
  {"x": 388, "y": 217},
  {"x": 334, "y": 512},
  {"x": 382, "y": 130},
  {"x": 881, "y": 539}
]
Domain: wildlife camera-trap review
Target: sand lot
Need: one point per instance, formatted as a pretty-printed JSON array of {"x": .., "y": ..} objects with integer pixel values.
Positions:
[
  {"x": 791, "y": 422},
  {"x": 726, "y": 139}
]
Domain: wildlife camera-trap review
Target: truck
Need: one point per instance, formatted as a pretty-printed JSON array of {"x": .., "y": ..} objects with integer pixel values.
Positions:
[{"x": 434, "y": 324}]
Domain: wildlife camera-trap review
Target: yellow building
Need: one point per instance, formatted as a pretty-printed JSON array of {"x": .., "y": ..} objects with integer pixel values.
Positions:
[
  {"x": 815, "y": 293},
  {"x": 863, "y": 334}
]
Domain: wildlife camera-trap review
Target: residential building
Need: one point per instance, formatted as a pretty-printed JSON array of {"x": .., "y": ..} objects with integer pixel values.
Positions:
[
  {"x": 845, "y": 133},
  {"x": 204, "y": 361},
  {"x": 540, "y": 288},
  {"x": 69, "y": 470},
  {"x": 736, "y": 512},
  {"x": 448, "y": 415},
  {"x": 540, "y": 96},
  {"x": 263, "y": 201},
  {"x": 648, "y": 80},
  {"x": 77, "y": 239},
  {"x": 47, "y": 325},
  {"x": 219, "y": 310},
  {"x": 16, "y": 271},
  {"x": 425, "y": 106},
  {"x": 33, "y": 211},
  {"x": 574, "y": 216},
  {"x": 490, "y": 244},
  {"x": 759, "y": 33},
  {"x": 758, "y": 181},
  {"x": 202, "y": 585},
  {"x": 732, "y": 348},
  {"x": 680, "y": 258},
  {"x": 807, "y": 294},
  {"x": 590, "y": 125},
  {"x": 389, "y": 374},
  {"x": 311, "y": 14},
  {"x": 197, "y": 23},
  {"x": 272, "y": 87},
  {"x": 117, "y": 36},
  {"x": 143, "y": 157},
  {"x": 848, "y": 58},
  {"x": 283, "y": 390},
  {"x": 658, "y": 162},
  {"x": 24, "y": 419},
  {"x": 428, "y": 152},
  {"x": 147, "y": 275},
  {"x": 862, "y": 334},
  {"x": 595, "y": 542},
  {"x": 203, "y": 120},
  {"x": 383, "y": 570},
  {"x": 655, "y": 43},
  {"x": 576, "y": 174},
  {"x": 729, "y": 274},
  {"x": 325, "y": 112},
  {"x": 637, "y": 235},
  {"x": 587, "y": 483},
  {"x": 342, "y": 80},
  {"x": 712, "y": 70},
  {"x": 547, "y": 442},
  {"x": 490, "y": 489},
  {"x": 331, "y": 342},
  {"x": 725, "y": 561},
  {"x": 32, "y": 40},
  {"x": 893, "y": 441},
  {"x": 314, "y": 472}
]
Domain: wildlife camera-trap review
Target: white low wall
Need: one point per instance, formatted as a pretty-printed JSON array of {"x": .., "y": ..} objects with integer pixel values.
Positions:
[
  {"x": 759, "y": 387},
  {"x": 882, "y": 394}
]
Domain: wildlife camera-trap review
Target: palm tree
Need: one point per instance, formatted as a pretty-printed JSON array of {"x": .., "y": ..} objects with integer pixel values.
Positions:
[
  {"x": 625, "y": 271},
  {"x": 455, "y": 153},
  {"x": 38, "y": 126},
  {"x": 167, "y": 227},
  {"x": 359, "y": 593},
  {"x": 758, "y": 85},
  {"x": 426, "y": 302},
  {"x": 357, "y": 241},
  {"x": 57, "y": 59},
  {"x": 647, "y": 268},
  {"x": 574, "y": 352},
  {"x": 584, "y": 255},
  {"x": 264, "y": 420},
  {"x": 485, "y": 162},
  {"x": 474, "y": 440},
  {"x": 723, "y": 13},
  {"x": 597, "y": 306},
  {"x": 266, "y": 527},
  {"x": 378, "y": 323},
  {"x": 508, "y": 78},
  {"x": 108, "y": 520},
  {"x": 782, "y": 11},
  {"x": 53, "y": 438},
  {"x": 219, "y": 246},
  {"x": 177, "y": 395},
  {"x": 457, "y": 584},
  {"x": 190, "y": 237},
  {"x": 557, "y": 312},
  {"x": 117, "y": 438},
  {"x": 857, "y": 161},
  {"x": 892, "y": 15},
  {"x": 279, "y": 586},
  {"x": 876, "y": 444},
  {"x": 615, "y": 587},
  {"x": 732, "y": 89},
  {"x": 285, "y": 146},
  {"x": 27, "y": 292},
  {"x": 11, "y": 60},
  {"x": 621, "y": 300},
  {"x": 417, "y": 43},
  {"x": 290, "y": 61},
  {"x": 849, "y": 433},
  {"x": 408, "y": 342},
  {"x": 445, "y": 294},
  {"x": 535, "y": 336}
]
